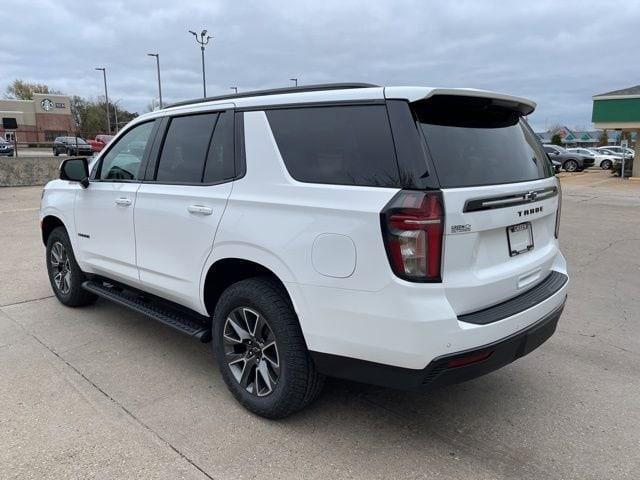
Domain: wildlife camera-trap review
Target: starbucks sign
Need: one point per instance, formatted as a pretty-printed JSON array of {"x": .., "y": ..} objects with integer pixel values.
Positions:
[{"x": 47, "y": 105}]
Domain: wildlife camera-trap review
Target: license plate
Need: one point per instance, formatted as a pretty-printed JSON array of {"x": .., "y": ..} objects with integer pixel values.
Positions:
[{"x": 520, "y": 238}]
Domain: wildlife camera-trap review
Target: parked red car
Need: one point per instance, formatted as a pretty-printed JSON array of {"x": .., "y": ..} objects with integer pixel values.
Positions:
[{"x": 100, "y": 142}]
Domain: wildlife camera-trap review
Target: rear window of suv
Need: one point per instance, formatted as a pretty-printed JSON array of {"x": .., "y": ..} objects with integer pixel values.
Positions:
[
  {"x": 342, "y": 145},
  {"x": 475, "y": 141}
]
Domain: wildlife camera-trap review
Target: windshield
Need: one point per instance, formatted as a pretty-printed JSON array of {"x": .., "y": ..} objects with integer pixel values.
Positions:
[{"x": 474, "y": 142}]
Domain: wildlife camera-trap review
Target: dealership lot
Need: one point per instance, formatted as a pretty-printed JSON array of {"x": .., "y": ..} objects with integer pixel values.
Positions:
[{"x": 102, "y": 392}]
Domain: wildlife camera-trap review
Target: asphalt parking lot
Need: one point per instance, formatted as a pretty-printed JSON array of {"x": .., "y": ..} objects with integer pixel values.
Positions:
[{"x": 103, "y": 393}]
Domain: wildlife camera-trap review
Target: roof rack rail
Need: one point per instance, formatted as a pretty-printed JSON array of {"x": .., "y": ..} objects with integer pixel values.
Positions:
[{"x": 276, "y": 91}]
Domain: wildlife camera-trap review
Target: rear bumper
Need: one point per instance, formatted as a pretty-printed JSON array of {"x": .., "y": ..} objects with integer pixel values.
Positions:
[{"x": 447, "y": 369}]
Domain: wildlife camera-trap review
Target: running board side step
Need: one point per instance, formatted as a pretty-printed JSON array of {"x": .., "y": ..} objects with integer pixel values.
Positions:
[{"x": 172, "y": 315}]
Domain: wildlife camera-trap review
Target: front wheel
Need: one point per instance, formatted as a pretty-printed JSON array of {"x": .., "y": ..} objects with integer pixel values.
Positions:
[
  {"x": 570, "y": 166},
  {"x": 261, "y": 351},
  {"x": 65, "y": 275},
  {"x": 606, "y": 165}
]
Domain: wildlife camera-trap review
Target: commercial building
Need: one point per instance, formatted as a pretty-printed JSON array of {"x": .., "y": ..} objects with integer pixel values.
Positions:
[
  {"x": 619, "y": 110},
  {"x": 39, "y": 120},
  {"x": 581, "y": 138}
]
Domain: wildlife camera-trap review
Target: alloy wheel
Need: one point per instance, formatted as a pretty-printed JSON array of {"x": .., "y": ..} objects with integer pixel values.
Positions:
[
  {"x": 61, "y": 267},
  {"x": 251, "y": 351},
  {"x": 571, "y": 166}
]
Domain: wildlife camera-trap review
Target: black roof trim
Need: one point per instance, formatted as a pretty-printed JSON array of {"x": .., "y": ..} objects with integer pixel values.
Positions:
[{"x": 277, "y": 91}]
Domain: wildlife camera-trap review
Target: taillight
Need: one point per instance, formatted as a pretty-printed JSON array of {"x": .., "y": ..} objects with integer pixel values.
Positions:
[
  {"x": 559, "y": 210},
  {"x": 412, "y": 227}
]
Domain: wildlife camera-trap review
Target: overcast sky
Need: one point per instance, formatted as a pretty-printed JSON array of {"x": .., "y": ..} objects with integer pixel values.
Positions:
[{"x": 558, "y": 53}]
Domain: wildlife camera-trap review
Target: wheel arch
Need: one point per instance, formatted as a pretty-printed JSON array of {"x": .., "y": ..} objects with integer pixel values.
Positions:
[
  {"x": 226, "y": 271},
  {"x": 48, "y": 224}
]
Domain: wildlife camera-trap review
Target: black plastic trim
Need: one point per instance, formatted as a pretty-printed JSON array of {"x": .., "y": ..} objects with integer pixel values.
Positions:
[
  {"x": 438, "y": 373},
  {"x": 545, "y": 289},
  {"x": 511, "y": 200},
  {"x": 239, "y": 150},
  {"x": 414, "y": 164}
]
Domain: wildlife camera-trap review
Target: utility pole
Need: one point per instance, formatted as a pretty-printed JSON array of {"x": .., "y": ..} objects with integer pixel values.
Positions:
[
  {"x": 106, "y": 96},
  {"x": 202, "y": 40},
  {"x": 157, "y": 55},
  {"x": 294, "y": 80}
]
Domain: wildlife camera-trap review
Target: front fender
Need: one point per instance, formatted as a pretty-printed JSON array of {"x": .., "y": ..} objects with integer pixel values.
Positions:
[{"x": 58, "y": 200}]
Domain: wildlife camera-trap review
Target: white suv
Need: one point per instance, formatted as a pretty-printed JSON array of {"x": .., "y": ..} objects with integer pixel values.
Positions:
[{"x": 401, "y": 236}]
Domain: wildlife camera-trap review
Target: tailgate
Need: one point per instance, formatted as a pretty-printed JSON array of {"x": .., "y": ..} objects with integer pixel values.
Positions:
[
  {"x": 485, "y": 264},
  {"x": 499, "y": 193}
]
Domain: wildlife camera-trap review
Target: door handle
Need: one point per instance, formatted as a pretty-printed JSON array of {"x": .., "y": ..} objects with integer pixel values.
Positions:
[
  {"x": 125, "y": 202},
  {"x": 199, "y": 209}
]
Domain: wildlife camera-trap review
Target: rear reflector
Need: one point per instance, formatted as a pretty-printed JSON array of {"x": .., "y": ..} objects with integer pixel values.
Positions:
[
  {"x": 412, "y": 228},
  {"x": 474, "y": 357}
]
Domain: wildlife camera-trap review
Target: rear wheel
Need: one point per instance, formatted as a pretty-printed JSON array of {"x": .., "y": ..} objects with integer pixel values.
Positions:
[
  {"x": 64, "y": 273},
  {"x": 606, "y": 164},
  {"x": 570, "y": 166},
  {"x": 261, "y": 351}
]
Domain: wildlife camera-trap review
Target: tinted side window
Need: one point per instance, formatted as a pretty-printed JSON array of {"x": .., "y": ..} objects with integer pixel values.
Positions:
[
  {"x": 185, "y": 148},
  {"x": 122, "y": 161},
  {"x": 344, "y": 145},
  {"x": 220, "y": 160}
]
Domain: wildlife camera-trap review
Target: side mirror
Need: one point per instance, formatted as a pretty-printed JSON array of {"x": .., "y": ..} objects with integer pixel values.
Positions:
[{"x": 75, "y": 170}]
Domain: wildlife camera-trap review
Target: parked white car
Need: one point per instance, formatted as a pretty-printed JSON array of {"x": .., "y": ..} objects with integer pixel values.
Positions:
[
  {"x": 402, "y": 236},
  {"x": 601, "y": 158},
  {"x": 629, "y": 152}
]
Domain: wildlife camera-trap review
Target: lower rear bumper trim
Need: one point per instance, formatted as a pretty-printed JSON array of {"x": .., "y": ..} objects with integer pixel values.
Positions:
[{"x": 443, "y": 370}]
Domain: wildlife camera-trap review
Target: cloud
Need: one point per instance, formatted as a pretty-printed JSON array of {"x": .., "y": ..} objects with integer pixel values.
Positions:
[{"x": 557, "y": 53}]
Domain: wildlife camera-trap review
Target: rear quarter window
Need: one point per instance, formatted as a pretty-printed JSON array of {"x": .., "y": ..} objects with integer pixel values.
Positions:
[
  {"x": 474, "y": 142},
  {"x": 342, "y": 145}
]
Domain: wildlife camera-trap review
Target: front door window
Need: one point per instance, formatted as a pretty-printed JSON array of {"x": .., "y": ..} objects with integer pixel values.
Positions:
[{"x": 123, "y": 160}]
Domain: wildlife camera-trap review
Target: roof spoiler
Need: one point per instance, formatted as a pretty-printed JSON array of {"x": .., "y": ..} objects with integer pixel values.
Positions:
[{"x": 413, "y": 94}]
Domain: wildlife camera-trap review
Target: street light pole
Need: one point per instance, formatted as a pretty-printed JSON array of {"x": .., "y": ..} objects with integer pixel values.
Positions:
[
  {"x": 157, "y": 55},
  {"x": 295, "y": 80},
  {"x": 235, "y": 89},
  {"x": 202, "y": 41},
  {"x": 115, "y": 111},
  {"x": 106, "y": 96}
]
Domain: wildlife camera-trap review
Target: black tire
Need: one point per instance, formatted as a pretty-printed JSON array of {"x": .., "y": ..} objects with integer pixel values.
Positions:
[
  {"x": 297, "y": 382},
  {"x": 68, "y": 289},
  {"x": 55, "y": 152},
  {"x": 606, "y": 164},
  {"x": 571, "y": 165}
]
